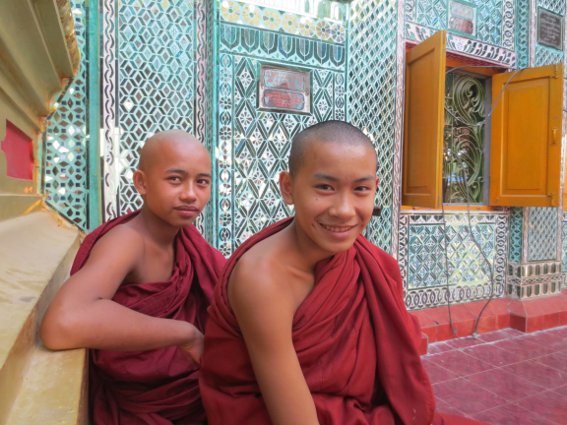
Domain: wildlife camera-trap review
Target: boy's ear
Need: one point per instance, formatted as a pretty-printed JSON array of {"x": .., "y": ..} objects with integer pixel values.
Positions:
[
  {"x": 377, "y": 182},
  {"x": 139, "y": 179},
  {"x": 286, "y": 187}
]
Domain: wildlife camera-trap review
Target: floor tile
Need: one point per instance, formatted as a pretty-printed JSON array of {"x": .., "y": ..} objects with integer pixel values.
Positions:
[
  {"x": 511, "y": 386},
  {"x": 490, "y": 353},
  {"x": 537, "y": 373},
  {"x": 437, "y": 373},
  {"x": 501, "y": 334},
  {"x": 555, "y": 360},
  {"x": 548, "y": 405},
  {"x": 510, "y": 414},
  {"x": 460, "y": 363}
]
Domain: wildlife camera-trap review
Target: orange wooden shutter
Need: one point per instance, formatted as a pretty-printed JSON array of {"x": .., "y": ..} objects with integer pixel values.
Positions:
[
  {"x": 424, "y": 121},
  {"x": 525, "y": 157}
]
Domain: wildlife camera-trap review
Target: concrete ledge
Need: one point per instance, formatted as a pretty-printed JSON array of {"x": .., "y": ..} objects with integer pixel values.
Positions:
[
  {"x": 36, "y": 251},
  {"x": 527, "y": 315}
]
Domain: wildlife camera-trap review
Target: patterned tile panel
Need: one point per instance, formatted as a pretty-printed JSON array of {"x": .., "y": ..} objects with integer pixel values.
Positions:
[
  {"x": 441, "y": 256},
  {"x": 153, "y": 47},
  {"x": 515, "y": 235},
  {"x": 372, "y": 87},
  {"x": 281, "y": 47},
  {"x": 522, "y": 34},
  {"x": 555, "y": 6},
  {"x": 253, "y": 145},
  {"x": 542, "y": 234},
  {"x": 65, "y": 156},
  {"x": 546, "y": 56},
  {"x": 493, "y": 18}
]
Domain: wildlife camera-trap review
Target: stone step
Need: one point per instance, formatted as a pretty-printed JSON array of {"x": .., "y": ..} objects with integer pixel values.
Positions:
[{"x": 36, "y": 252}]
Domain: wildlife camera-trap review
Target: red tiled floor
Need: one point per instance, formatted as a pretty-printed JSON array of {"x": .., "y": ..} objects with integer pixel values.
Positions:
[{"x": 505, "y": 377}]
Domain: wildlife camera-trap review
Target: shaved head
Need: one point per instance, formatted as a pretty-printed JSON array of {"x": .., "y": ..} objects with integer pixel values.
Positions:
[
  {"x": 326, "y": 132},
  {"x": 154, "y": 144}
]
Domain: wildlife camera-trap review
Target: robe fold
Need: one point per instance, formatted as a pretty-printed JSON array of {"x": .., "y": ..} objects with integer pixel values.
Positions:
[
  {"x": 157, "y": 387},
  {"x": 355, "y": 341}
]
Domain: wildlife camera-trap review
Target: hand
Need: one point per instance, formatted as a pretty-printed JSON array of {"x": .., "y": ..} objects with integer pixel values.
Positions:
[{"x": 194, "y": 347}]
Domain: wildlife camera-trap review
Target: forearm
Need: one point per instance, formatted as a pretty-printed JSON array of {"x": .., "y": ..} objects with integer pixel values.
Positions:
[{"x": 107, "y": 325}]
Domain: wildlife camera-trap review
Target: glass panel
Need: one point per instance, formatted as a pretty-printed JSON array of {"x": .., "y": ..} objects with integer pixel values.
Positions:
[{"x": 463, "y": 170}]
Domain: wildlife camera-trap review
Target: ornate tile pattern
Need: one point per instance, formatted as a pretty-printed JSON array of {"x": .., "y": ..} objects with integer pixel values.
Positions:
[
  {"x": 148, "y": 86},
  {"x": 522, "y": 34},
  {"x": 494, "y": 38},
  {"x": 555, "y": 6},
  {"x": 546, "y": 56},
  {"x": 542, "y": 234},
  {"x": 373, "y": 79},
  {"x": 65, "y": 165},
  {"x": 253, "y": 145},
  {"x": 515, "y": 236},
  {"x": 432, "y": 251}
]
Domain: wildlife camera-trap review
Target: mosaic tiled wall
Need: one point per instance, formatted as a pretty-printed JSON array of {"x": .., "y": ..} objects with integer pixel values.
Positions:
[
  {"x": 253, "y": 145},
  {"x": 65, "y": 166},
  {"x": 373, "y": 104},
  {"x": 456, "y": 257}
]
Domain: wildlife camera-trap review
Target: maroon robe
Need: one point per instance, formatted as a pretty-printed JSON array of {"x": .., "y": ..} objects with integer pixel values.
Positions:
[
  {"x": 354, "y": 339},
  {"x": 157, "y": 387}
]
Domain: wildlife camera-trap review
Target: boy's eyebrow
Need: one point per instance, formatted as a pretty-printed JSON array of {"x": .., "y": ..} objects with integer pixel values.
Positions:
[
  {"x": 323, "y": 176},
  {"x": 184, "y": 172}
]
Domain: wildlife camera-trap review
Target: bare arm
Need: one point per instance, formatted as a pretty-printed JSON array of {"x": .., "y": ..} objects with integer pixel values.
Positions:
[
  {"x": 265, "y": 313},
  {"x": 82, "y": 314}
]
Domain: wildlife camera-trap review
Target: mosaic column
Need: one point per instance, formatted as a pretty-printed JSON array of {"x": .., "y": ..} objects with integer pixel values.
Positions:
[{"x": 535, "y": 266}]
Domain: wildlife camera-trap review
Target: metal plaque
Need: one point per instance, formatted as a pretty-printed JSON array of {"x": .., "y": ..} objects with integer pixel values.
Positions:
[
  {"x": 284, "y": 89},
  {"x": 549, "y": 29}
]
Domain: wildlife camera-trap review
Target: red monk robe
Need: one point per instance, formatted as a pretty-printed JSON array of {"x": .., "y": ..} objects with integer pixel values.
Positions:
[
  {"x": 157, "y": 387},
  {"x": 355, "y": 342}
]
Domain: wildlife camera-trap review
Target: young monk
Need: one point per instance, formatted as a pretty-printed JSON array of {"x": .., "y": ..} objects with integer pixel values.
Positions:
[
  {"x": 138, "y": 294},
  {"x": 308, "y": 325}
]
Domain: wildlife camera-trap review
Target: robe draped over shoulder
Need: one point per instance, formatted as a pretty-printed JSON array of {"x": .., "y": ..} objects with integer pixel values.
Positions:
[
  {"x": 157, "y": 387},
  {"x": 355, "y": 341}
]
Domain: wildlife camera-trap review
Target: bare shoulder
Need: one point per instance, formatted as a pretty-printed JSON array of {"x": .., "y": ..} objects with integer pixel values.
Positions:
[{"x": 122, "y": 240}]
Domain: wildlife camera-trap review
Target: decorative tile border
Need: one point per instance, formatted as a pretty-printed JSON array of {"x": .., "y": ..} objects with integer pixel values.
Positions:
[{"x": 533, "y": 280}]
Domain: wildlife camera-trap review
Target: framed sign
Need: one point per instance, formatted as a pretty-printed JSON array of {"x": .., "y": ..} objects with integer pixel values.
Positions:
[
  {"x": 462, "y": 17},
  {"x": 550, "y": 29},
  {"x": 284, "y": 89}
]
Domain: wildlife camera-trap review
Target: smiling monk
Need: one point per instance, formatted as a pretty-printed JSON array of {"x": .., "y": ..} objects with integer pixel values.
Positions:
[
  {"x": 308, "y": 325},
  {"x": 138, "y": 294}
]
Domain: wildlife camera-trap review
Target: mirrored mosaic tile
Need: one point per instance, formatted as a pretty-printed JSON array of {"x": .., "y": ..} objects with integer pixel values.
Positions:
[
  {"x": 515, "y": 236},
  {"x": 65, "y": 156},
  {"x": 542, "y": 234},
  {"x": 555, "y": 6},
  {"x": 445, "y": 259},
  {"x": 372, "y": 82}
]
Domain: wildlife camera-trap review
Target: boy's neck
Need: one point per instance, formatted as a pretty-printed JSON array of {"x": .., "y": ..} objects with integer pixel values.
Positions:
[
  {"x": 308, "y": 254},
  {"x": 158, "y": 230}
]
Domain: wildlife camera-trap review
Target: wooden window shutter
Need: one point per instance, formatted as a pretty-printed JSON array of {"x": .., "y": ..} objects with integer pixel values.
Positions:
[
  {"x": 423, "y": 123},
  {"x": 525, "y": 162}
]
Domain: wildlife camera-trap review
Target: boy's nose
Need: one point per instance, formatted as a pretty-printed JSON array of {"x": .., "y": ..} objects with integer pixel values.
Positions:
[
  {"x": 188, "y": 193},
  {"x": 343, "y": 208}
]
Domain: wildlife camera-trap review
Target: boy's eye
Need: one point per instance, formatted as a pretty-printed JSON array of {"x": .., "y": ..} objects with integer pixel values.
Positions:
[
  {"x": 362, "y": 188},
  {"x": 174, "y": 179},
  {"x": 324, "y": 187},
  {"x": 204, "y": 182}
]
